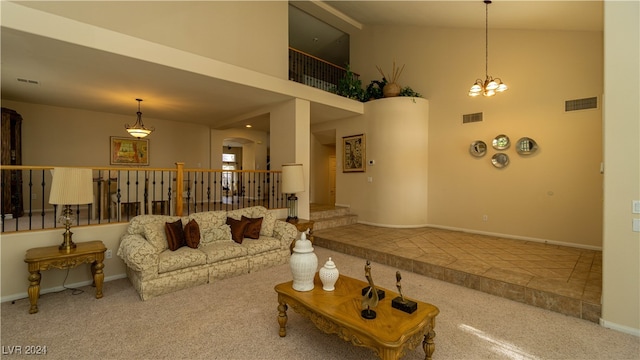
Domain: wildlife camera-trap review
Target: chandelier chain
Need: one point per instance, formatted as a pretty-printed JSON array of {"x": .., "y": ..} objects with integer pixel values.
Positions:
[{"x": 486, "y": 38}]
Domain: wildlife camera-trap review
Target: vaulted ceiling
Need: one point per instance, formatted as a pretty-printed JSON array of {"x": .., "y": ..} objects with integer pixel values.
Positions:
[{"x": 38, "y": 69}]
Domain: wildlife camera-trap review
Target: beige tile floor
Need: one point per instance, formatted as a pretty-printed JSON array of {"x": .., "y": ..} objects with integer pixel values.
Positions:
[{"x": 559, "y": 278}]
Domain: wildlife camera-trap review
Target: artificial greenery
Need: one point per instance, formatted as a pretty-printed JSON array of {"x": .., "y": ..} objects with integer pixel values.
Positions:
[
  {"x": 374, "y": 90},
  {"x": 351, "y": 87},
  {"x": 407, "y": 91}
]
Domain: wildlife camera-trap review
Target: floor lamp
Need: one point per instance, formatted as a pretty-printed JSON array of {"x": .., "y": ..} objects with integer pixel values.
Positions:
[
  {"x": 292, "y": 183},
  {"x": 70, "y": 186}
]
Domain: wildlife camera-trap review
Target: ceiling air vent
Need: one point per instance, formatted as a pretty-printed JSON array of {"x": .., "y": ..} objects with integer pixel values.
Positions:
[
  {"x": 581, "y": 104},
  {"x": 470, "y": 118}
]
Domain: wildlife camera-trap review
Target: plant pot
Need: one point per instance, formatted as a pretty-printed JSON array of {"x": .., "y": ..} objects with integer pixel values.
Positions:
[{"x": 391, "y": 90}]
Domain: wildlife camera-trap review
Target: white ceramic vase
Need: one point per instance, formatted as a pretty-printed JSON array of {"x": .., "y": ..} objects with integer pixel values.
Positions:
[
  {"x": 304, "y": 264},
  {"x": 329, "y": 275}
]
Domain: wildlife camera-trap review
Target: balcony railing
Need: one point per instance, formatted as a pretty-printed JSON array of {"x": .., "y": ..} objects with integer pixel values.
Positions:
[
  {"x": 122, "y": 193},
  {"x": 310, "y": 70}
]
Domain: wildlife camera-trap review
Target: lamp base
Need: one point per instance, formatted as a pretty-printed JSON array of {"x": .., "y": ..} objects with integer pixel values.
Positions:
[
  {"x": 405, "y": 305},
  {"x": 67, "y": 244},
  {"x": 292, "y": 205}
]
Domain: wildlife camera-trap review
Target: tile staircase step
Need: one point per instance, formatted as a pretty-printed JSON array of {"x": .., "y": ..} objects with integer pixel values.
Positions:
[
  {"x": 334, "y": 221},
  {"x": 334, "y": 212}
]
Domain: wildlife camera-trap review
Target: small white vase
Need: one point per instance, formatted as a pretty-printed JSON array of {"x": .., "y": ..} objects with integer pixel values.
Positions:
[
  {"x": 329, "y": 275},
  {"x": 304, "y": 264}
]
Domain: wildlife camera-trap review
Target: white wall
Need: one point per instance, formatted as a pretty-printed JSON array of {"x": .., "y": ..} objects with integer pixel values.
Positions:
[
  {"x": 554, "y": 195},
  {"x": 64, "y": 137},
  {"x": 15, "y": 273},
  {"x": 621, "y": 255},
  {"x": 393, "y": 192},
  {"x": 222, "y": 30}
]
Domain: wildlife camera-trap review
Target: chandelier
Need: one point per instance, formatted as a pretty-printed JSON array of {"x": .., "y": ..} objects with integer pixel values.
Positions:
[
  {"x": 138, "y": 130},
  {"x": 489, "y": 86}
]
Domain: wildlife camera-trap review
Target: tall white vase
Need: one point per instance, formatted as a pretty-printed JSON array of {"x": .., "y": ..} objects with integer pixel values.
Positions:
[{"x": 304, "y": 264}]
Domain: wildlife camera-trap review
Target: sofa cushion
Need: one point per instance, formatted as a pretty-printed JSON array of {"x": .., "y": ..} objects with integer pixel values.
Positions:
[
  {"x": 237, "y": 228},
  {"x": 261, "y": 245},
  {"x": 209, "y": 220},
  {"x": 192, "y": 234},
  {"x": 252, "y": 230},
  {"x": 223, "y": 250},
  {"x": 212, "y": 235},
  {"x": 184, "y": 257},
  {"x": 175, "y": 235},
  {"x": 268, "y": 219},
  {"x": 152, "y": 227}
]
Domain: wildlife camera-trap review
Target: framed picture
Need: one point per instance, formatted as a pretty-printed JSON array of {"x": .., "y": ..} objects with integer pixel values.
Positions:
[
  {"x": 129, "y": 151},
  {"x": 353, "y": 159}
]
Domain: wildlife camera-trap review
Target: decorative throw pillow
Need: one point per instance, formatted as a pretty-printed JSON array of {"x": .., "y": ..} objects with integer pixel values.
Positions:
[
  {"x": 192, "y": 234},
  {"x": 252, "y": 231},
  {"x": 175, "y": 235},
  {"x": 237, "y": 229}
]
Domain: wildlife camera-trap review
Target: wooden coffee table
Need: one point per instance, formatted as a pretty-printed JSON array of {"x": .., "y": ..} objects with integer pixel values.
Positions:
[{"x": 390, "y": 334}]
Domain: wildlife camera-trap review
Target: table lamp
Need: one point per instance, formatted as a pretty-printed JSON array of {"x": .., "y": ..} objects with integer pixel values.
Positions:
[
  {"x": 70, "y": 186},
  {"x": 292, "y": 183}
]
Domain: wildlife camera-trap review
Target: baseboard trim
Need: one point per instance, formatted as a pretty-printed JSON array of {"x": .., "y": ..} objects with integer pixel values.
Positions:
[
  {"x": 25, "y": 295},
  {"x": 506, "y": 236},
  {"x": 618, "y": 327}
]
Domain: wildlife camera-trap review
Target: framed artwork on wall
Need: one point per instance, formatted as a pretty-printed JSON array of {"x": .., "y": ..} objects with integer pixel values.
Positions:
[
  {"x": 353, "y": 158},
  {"x": 128, "y": 151}
]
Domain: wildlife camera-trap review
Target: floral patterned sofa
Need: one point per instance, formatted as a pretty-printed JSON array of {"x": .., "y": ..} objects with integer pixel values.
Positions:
[{"x": 215, "y": 250}]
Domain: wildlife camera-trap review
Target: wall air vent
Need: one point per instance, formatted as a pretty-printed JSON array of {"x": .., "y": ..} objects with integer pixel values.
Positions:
[
  {"x": 28, "y": 81},
  {"x": 470, "y": 118},
  {"x": 581, "y": 104}
]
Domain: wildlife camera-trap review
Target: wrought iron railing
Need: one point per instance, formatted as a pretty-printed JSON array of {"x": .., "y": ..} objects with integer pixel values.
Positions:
[
  {"x": 122, "y": 193},
  {"x": 310, "y": 70}
]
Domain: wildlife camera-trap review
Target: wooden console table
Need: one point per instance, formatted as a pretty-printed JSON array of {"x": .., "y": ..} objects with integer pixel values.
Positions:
[{"x": 45, "y": 258}]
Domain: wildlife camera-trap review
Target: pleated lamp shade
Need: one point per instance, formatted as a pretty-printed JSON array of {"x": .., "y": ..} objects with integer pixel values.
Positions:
[
  {"x": 292, "y": 178},
  {"x": 71, "y": 186}
]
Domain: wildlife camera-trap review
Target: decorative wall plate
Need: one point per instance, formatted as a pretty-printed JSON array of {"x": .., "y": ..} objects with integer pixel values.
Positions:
[
  {"x": 501, "y": 142},
  {"x": 526, "y": 146},
  {"x": 478, "y": 148},
  {"x": 500, "y": 160}
]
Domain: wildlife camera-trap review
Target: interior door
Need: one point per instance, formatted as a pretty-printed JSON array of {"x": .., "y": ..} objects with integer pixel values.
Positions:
[{"x": 332, "y": 179}]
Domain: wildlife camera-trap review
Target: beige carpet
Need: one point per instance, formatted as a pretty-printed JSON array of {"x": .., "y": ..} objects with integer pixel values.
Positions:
[{"x": 237, "y": 319}]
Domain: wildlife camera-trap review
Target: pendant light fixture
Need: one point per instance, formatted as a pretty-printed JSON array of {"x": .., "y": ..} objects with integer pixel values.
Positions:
[
  {"x": 489, "y": 86},
  {"x": 138, "y": 130}
]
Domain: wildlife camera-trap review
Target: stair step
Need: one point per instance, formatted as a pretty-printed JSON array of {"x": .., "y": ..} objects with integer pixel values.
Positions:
[
  {"x": 334, "y": 221},
  {"x": 323, "y": 214}
]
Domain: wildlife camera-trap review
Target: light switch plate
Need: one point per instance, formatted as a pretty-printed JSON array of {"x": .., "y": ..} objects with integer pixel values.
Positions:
[
  {"x": 636, "y": 225},
  {"x": 636, "y": 207}
]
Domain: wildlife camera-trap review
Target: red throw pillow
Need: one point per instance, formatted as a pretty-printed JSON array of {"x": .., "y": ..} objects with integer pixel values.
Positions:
[
  {"x": 192, "y": 234},
  {"x": 252, "y": 231},
  {"x": 237, "y": 229},
  {"x": 175, "y": 235}
]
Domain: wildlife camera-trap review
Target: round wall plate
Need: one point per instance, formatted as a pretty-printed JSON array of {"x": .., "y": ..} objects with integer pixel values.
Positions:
[
  {"x": 526, "y": 146},
  {"x": 478, "y": 148},
  {"x": 500, "y": 160},
  {"x": 501, "y": 142}
]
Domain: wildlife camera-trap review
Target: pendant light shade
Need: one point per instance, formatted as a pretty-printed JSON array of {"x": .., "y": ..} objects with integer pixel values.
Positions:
[
  {"x": 489, "y": 86},
  {"x": 138, "y": 130}
]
